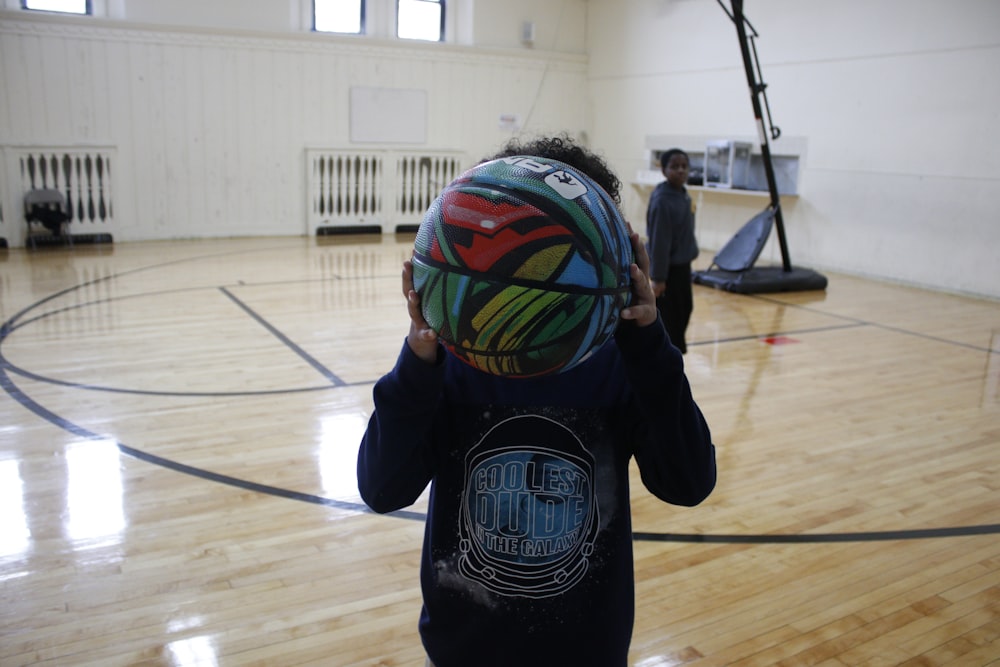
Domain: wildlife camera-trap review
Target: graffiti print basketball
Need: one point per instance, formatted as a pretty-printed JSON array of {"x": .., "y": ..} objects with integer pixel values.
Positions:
[{"x": 522, "y": 266}]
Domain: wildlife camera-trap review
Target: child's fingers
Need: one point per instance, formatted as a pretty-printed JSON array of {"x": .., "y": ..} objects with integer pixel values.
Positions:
[
  {"x": 413, "y": 303},
  {"x": 639, "y": 249},
  {"x": 642, "y": 290},
  {"x": 407, "y": 278},
  {"x": 413, "y": 307},
  {"x": 643, "y": 307}
]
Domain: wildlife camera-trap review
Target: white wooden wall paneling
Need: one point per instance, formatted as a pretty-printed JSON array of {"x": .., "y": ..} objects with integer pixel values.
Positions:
[{"x": 210, "y": 128}]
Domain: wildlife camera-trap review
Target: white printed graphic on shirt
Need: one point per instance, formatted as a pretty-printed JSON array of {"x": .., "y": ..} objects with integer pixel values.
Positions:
[{"x": 529, "y": 510}]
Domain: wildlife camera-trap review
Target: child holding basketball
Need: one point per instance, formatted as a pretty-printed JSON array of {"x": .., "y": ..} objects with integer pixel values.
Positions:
[
  {"x": 672, "y": 246},
  {"x": 527, "y": 554}
]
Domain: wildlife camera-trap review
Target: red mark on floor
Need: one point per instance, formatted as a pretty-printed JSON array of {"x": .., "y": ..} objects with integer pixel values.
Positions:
[{"x": 779, "y": 340}]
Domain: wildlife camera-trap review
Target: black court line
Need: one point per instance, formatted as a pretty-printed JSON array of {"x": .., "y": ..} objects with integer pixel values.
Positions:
[
  {"x": 309, "y": 359},
  {"x": 807, "y": 538},
  {"x": 8, "y": 326},
  {"x": 936, "y": 339},
  {"x": 790, "y": 332},
  {"x": 875, "y": 536},
  {"x": 28, "y": 403},
  {"x": 154, "y": 392},
  {"x": 886, "y": 327},
  {"x": 18, "y": 322}
]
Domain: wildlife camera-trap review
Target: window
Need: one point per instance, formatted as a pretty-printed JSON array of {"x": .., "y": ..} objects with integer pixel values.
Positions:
[
  {"x": 420, "y": 19},
  {"x": 65, "y": 6},
  {"x": 339, "y": 16}
]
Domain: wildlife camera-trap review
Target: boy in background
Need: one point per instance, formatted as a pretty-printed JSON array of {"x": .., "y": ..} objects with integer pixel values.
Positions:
[{"x": 672, "y": 246}]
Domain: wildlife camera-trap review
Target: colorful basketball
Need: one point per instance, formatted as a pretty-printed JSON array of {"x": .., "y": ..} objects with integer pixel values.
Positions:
[{"x": 522, "y": 266}]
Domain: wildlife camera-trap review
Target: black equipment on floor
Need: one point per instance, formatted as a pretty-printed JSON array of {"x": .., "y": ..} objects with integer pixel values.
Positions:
[{"x": 46, "y": 207}]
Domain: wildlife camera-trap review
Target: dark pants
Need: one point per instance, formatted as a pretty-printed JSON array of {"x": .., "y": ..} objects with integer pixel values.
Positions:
[{"x": 676, "y": 304}]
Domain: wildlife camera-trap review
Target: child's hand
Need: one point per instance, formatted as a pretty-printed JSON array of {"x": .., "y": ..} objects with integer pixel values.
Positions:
[
  {"x": 421, "y": 339},
  {"x": 643, "y": 307}
]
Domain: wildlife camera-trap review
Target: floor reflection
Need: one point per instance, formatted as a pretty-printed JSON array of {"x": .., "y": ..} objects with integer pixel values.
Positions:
[
  {"x": 193, "y": 651},
  {"x": 337, "y": 458},
  {"x": 94, "y": 512},
  {"x": 14, "y": 534}
]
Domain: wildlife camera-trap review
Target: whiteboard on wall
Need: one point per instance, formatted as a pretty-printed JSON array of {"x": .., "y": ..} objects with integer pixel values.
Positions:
[{"x": 388, "y": 116}]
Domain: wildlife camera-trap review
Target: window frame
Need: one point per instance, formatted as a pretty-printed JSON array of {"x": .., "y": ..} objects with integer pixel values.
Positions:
[
  {"x": 362, "y": 26},
  {"x": 441, "y": 26},
  {"x": 88, "y": 9}
]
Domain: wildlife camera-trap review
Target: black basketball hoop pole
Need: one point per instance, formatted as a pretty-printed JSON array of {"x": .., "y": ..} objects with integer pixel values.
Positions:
[
  {"x": 757, "y": 91},
  {"x": 733, "y": 268}
]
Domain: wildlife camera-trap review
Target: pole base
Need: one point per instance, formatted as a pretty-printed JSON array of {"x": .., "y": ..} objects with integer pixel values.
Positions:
[{"x": 761, "y": 280}]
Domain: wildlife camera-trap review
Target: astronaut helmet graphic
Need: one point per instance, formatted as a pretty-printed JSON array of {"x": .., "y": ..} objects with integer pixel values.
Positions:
[{"x": 529, "y": 512}]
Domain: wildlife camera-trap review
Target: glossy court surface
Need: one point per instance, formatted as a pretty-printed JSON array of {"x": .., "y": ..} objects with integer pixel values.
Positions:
[{"x": 179, "y": 424}]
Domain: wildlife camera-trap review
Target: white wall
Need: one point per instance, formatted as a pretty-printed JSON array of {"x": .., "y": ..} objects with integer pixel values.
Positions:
[
  {"x": 896, "y": 100},
  {"x": 560, "y": 25},
  {"x": 210, "y": 126},
  {"x": 224, "y": 14}
]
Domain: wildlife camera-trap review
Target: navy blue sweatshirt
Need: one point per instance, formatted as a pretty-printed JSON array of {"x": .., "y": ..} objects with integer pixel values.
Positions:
[{"x": 527, "y": 555}]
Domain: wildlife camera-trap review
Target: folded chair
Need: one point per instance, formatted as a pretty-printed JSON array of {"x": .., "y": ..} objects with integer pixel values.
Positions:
[{"x": 46, "y": 208}]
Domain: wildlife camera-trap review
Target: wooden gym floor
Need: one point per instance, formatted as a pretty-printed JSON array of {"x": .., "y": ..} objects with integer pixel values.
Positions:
[{"x": 180, "y": 420}]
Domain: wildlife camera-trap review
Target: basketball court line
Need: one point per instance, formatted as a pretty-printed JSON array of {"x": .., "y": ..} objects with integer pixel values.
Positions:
[
  {"x": 813, "y": 538},
  {"x": 335, "y": 381},
  {"x": 886, "y": 327},
  {"x": 774, "y": 334},
  {"x": 15, "y": 323},
  {"x": 30, "y": 404},
  {"x": 795, "y": 538},
  {"x": 17, "y": 370},
  {"x": 309, "y": 359}
]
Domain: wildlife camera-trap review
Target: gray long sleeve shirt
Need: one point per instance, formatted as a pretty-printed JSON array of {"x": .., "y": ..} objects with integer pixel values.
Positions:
[{"x": 670, "y": 230}]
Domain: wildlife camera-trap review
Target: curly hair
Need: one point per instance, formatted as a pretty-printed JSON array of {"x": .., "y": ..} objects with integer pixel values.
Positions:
[{"x": 564, "y": 149}]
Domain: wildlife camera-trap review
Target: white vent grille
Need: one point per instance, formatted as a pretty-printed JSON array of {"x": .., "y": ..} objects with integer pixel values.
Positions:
[
  {"x": 386, "y": 189},
  {"x": 419, "y": 179},
  {"x": 83, "y": 175},
  {"x": 346, "y": 186}
]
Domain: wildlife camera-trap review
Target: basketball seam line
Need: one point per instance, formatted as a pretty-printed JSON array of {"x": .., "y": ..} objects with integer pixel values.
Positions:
[{"x": 522, "y": 282}]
